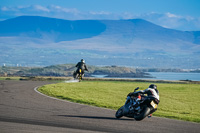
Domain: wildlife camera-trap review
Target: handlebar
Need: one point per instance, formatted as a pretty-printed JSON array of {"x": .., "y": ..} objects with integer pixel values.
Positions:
[{"x": 136, "y": 89}]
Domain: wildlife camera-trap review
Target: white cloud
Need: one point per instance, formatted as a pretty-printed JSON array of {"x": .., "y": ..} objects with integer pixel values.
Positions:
[
  {"x": 41, "y": 8},
  {"x": 55, "y": 8},
  {"x": 173, "y": 21},
  {"x": 170, "y": 15},
  {"x": 4, "y": 9},
  {"x": 99, "y": 13}
]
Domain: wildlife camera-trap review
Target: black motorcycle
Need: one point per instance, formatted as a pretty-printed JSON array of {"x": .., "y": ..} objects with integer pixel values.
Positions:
[{"x": 138, "y": 106}]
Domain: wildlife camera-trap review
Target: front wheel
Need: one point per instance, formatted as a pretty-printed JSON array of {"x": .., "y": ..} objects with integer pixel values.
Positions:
[
  {"x": 146, "y": 110},
  {"x": 119, "y": 113}
]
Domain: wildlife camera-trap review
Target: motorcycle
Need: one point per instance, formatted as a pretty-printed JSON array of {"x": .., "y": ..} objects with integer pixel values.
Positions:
[
  {"x": 78, "y": 75},
  {"x": 138, "y": 107}
]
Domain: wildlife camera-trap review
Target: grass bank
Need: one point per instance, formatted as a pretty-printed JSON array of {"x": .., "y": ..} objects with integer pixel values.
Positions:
[
  {"x": 9, "y": 78},
  {"x": 178, "y": 101}
]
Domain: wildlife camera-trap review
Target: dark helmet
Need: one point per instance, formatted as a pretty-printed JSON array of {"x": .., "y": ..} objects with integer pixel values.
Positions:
[
  {"x": 153, "y": 86},
  {"x": 82, "y": 60}
]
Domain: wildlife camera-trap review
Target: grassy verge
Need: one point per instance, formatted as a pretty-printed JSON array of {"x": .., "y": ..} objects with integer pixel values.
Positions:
[
  {"x": 48, "y": 78},
  {"x": 38, "y": 78},
  {"x": 178, "y": 101},
  {"x": 9, "y": 78}
]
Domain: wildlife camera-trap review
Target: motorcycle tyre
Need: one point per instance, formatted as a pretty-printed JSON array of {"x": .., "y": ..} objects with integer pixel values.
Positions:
[
  {"x": 145, "y": 112},
  {"x": 119, "y": 112},
  {"x": 79, "y": 77}
]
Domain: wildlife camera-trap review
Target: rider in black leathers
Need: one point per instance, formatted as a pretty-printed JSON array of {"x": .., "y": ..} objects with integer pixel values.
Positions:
[{"x": 81, "y": 65}]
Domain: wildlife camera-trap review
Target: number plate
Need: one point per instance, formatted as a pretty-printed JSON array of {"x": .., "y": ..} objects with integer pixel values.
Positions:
[{"x": 153, "y": 104}]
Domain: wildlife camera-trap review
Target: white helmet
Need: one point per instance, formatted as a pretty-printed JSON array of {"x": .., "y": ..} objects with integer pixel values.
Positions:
[{"x": 82, "y": 60}]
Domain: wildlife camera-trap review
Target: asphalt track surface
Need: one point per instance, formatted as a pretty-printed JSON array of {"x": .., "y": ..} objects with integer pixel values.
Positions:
[{"x": 23, "y": 110}]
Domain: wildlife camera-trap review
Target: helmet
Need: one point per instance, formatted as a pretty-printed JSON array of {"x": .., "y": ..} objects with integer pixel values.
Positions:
[
  {"x": 82, "y": 60},
  {"x": 153, "y": 86}
]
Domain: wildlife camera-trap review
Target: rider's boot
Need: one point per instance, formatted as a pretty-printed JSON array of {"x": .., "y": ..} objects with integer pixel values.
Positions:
[{"x": 149, "y": 116}]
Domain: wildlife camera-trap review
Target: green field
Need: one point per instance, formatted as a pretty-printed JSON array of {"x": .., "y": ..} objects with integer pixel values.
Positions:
[
  {"x": 9, "y": 78},
  {"x": 177, "y": 101}
]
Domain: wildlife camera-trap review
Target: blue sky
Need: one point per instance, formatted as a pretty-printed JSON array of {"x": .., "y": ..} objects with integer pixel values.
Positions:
[{"x": 175, "y": 14}]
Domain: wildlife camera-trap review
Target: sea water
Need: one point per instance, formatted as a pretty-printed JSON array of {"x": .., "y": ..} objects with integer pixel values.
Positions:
[{"x": 166, "y": 76}]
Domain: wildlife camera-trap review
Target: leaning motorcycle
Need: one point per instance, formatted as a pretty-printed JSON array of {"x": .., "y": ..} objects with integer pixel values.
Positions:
[{"x": 137, "y": 107}]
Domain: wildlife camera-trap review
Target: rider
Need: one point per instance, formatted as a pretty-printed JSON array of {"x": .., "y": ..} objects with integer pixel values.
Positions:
[
  {"x": 81, "y": 65},
  {"x": 152, "y": 93}
]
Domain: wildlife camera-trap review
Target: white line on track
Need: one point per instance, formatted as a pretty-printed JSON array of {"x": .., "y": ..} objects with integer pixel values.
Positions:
[{"x": 36, "y": 90}]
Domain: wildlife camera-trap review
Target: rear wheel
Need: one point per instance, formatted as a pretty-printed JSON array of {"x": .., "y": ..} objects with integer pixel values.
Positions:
[
  {"x": 146, "y": 110},
  {"x": 119, "y": 113},
  {"x": 80, "y": 77}
]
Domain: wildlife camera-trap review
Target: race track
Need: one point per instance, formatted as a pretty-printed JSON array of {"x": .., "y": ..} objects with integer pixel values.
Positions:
[{"x": 23, "y": 110}]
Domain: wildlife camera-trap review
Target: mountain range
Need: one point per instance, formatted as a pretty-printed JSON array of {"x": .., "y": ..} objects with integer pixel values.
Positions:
[{"x": 42, "y": 41}]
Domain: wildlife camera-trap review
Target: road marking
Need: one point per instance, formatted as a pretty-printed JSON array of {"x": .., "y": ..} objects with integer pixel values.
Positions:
[{"x": 36, "y": 90}]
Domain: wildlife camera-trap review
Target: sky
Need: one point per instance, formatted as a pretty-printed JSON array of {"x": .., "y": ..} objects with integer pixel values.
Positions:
[{"x": 175, "y": 14}]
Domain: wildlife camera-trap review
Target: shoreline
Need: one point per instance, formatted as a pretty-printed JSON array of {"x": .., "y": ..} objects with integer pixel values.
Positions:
[
  {"x": 51, "y": 78},
  {"x": 141, "y": 80}
]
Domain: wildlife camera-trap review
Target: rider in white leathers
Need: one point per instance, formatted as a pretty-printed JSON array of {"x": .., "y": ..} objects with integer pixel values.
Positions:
[{"x": 152, "y": 93}]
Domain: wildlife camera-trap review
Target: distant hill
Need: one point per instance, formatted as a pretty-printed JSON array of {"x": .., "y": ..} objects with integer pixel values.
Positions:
[
  {"x": 41, "y": 41},
  {"x": 64, "y": 70},
  {"x": 42, "y": 28}
]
